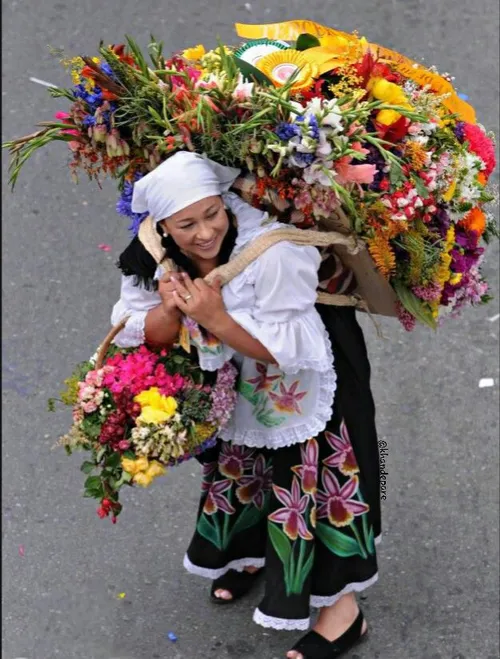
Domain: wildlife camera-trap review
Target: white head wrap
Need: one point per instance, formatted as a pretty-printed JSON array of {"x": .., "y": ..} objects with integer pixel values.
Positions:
[{"x": 181, "y": 180}]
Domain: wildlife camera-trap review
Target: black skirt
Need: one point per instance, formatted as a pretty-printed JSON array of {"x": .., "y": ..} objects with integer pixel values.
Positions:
[{"x": 309, "y": 512}]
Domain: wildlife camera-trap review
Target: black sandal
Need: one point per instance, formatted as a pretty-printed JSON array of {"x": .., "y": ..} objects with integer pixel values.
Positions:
[
  {"x": 315, "y": 646},
  {"x": 237, "y": 583}
]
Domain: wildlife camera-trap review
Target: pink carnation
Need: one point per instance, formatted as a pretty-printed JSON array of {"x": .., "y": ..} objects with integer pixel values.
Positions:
[{"x": 481, "y": 145}]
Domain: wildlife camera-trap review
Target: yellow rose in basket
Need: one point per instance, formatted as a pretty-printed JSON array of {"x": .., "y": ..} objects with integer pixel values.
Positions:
[
  {"x": 135, "y": 466},
  {"x": 143, "y": 470},
  {"x": 155, "y": 408}
]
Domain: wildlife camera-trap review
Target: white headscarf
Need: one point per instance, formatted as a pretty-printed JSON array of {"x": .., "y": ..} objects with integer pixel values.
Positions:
[{"x": 181, "y": 180}]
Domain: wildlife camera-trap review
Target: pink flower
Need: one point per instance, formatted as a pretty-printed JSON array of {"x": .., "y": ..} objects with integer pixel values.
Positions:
[
  {"x": 291, "y": 516},
  {"x": 343, "y": 458},
  {"x": 63, "y": 116},
  {"x": 263, "y": 382},
  {"x": 308, "y": 470},
  {"x": 288, "y": 399},
  {"x": 234, "y": 460},
  {"x": 336, "y": 502},
  {"x": 89, "y": 406},
  {"x": 347, "y": 173},
  {"x": 253, "y": 488},
  {"x": 216, "y": 501}
]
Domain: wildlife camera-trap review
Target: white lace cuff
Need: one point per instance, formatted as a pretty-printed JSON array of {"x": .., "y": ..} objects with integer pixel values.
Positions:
[{"x": 132, "y": 335}]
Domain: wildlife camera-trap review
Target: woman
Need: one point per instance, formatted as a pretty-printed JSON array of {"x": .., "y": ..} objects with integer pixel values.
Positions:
[{"x": 293, "y": 482}]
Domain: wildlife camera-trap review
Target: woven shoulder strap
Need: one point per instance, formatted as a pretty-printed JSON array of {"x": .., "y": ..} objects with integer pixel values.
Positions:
[{"x": 151, "y": 240}]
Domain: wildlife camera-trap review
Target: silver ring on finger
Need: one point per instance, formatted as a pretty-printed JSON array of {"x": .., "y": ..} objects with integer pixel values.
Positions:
[{"x": 188, "y": 297}]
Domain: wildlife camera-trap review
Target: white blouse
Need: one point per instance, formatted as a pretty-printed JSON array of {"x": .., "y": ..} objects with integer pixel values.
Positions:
[{"x": 274, "y": 301}]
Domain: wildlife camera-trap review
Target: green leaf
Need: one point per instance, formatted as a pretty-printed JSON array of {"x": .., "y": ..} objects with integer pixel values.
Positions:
[
  {"x": 113, "y": 460},
  {"x": 370, "y": 543},
  {"x": 248, "y": 392},
  {"x": 251, "y": 73},
  {"x": 92, "y": 482},
  {"x": 269, "y": 420},
  {"x": 51, "y": 405},
  {"x": 396, "y": 174},
  {"x": 306, "y": 569},
  {"x": 420, "y": 186},
  {"x": 250, "y": 516},
  {"x": 338, "y": 543},
  {"x": 207, "y": 530},
  {"x": 306, "y": 41},
  {"x": 87, "y": 467},
  {"x": 415, "y": 306},
  {"x": 280, "y": 542}
]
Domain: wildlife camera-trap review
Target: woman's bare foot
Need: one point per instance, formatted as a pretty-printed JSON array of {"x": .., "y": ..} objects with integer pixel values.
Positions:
[
  {"x": 226, "y": 594},
  {"x": 334, "y": 620}
]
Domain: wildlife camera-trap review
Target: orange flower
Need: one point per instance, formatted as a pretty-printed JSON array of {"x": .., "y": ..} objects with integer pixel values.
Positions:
[
  {"x": 475, "y": 220},
  {"x": 482, "y": 178}
]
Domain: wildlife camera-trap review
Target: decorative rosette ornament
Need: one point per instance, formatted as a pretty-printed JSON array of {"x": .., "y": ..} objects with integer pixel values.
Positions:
[
  {"x": 281, "y": 65},
  {"x": 253, "y": 51}
]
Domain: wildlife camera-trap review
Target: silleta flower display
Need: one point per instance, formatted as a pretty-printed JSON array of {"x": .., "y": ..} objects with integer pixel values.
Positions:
[{"x": 322, "y": 118}]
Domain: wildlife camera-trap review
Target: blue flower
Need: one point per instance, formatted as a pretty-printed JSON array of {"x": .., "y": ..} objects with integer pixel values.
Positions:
[
  {"x": 313, "y": 127},
  {"x": 89, "y": 120},
  {"x": 124, "y": 206},
  {"x": 286, "y": 131},
  {"x": 303, "y": 159}
]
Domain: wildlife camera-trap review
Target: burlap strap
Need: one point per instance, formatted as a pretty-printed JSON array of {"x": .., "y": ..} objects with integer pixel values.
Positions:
[{"x": 151, "y": 240}]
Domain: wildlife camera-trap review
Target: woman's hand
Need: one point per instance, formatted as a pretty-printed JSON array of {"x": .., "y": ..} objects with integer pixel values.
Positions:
[
  {"x": 199, "y": 301},
  {"x": 166, "y": 289}
]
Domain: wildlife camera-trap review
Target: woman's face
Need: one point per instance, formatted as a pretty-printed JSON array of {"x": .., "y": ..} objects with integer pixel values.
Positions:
[{"x": 199, "y": 229}]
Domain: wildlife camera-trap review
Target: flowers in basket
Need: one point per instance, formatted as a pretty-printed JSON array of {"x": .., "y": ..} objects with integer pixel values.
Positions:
[
  {"x": 325, "y": 120},
  {"x": 141, "y": 412}
]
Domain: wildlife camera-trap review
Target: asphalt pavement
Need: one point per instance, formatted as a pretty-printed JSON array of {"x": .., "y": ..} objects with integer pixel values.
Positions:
[{"x": 64, "y": 570}]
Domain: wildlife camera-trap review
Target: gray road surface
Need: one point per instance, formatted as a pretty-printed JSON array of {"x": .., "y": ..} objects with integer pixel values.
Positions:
[{"x": 437, "y": 597}]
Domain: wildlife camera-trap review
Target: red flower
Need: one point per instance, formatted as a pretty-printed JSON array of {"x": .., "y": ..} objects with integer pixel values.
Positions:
[
  {"x": 481, "y": 145},
  {"x": 394, "y": 132},
  {"x": 102, "y": 512}
]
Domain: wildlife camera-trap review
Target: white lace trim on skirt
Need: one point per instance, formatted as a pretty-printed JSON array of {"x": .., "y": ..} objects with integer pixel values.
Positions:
[
  {"x": 286, "y": 624},
  {"x": 237, "y": 565}
]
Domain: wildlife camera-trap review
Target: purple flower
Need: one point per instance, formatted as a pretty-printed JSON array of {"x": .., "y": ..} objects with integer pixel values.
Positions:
[
  {"x": 124, "y": 206},
  {"x": 459, "y": 131},
  {"x": 286, "y": 131}
]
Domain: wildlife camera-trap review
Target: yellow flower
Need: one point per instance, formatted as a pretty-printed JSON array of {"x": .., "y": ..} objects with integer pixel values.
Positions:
[
  {"x": 142, "y": 479},
  {"x": 155, "y": 469},
  {"x": 156, "y": 408},
  {"x": 448, "y": 195},
  {"x": 391, "y": 94},
  {"x": 194, "y": 54},
  {"x": 203, "y": 431},
  {"x": 135, "y": 466},
  {"x": 142, "y": 470},
  {"x": 456, "y": 278}
]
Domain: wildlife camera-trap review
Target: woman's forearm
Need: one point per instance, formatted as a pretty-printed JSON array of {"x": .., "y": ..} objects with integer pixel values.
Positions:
[
  {"x": 229, "y": 332},
  {"x": 162, "y": 327}
]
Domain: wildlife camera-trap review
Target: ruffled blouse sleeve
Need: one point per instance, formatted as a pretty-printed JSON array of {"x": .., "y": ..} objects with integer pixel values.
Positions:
[
  {"x": 284, "y": 318},
  {"x": 135, "y": 302}
]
